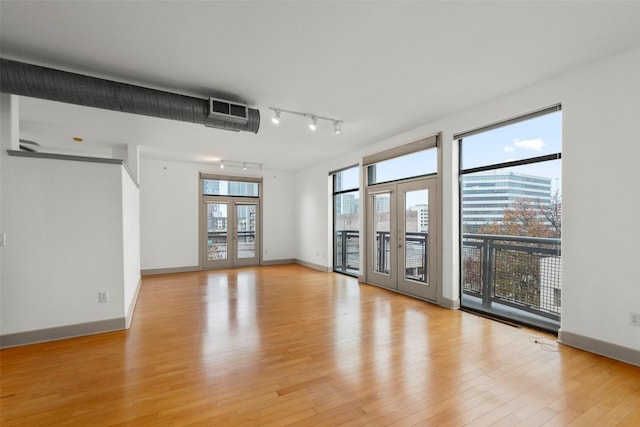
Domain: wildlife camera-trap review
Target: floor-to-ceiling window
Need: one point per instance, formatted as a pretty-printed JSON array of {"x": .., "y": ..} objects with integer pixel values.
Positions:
[
  {"x": 511, "y": 218},
  {"x": 346, "y": 221}
]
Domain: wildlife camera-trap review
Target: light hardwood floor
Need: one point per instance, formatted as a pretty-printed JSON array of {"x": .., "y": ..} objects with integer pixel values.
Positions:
[{"x": 284, "y": 345}]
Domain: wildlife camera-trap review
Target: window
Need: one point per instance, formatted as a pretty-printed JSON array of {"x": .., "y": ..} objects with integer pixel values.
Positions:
[
  {"x": 420, "y": 163},
  {"x": 346, "y": 221},
  {"x": 219, "y": 187},
  {"x": 510, "y": 210}
]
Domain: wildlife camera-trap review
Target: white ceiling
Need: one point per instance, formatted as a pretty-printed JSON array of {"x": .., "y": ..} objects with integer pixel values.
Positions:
[{"x": 382, "y": 67}]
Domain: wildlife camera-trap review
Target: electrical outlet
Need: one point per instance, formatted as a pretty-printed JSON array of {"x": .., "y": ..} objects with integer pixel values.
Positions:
[
  {"x": 103, "y": 296},
  {"x": 634, "y": 319}
]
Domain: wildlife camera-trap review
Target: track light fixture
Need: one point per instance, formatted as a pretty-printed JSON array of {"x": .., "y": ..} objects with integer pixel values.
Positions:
[
  {"x": 240, "y": 165},
  {"x": 276, "y": 117},
  {"x": 337, "y": 124}
]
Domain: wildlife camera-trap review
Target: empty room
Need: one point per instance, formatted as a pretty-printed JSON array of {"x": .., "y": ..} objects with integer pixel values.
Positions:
[{"x": 358, "y": 213}]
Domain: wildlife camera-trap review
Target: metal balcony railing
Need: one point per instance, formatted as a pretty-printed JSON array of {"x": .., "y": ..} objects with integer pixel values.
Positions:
[
  {"x": 347, "y": 251},
  {"x": 217, "y": 244},
  {"x": 520, "y": 272},
  {"x": 515, "y": 271}
]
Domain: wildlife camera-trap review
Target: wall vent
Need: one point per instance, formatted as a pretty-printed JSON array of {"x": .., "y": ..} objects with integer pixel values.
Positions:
[{"x": 231, "y": 111}]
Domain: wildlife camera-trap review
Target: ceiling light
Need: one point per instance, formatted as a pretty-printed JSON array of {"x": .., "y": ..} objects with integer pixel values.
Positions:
[
  {"x": 239, "y": 165},
  {"x": 277, "y": 112}
]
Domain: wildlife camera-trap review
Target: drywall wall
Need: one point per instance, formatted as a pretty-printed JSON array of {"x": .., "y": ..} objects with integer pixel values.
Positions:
[
  {"x": 601, "y": 202},
  {"x": 130, "y": 240},
  {"x": 169, "y": 197},
  {"x": 63, "y": 221}
]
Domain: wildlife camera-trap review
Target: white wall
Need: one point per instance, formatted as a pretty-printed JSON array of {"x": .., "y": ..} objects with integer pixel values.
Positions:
[
  {"x": 130, "y": 240},
  {"x": 63, "y": 221},
  {"x": 601, "y": 199},
  {"x": 169, "y": 196}
]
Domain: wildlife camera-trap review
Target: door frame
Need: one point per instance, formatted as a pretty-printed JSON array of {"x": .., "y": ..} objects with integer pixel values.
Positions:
[
  {"x": 202, "y": 220},
  {"x": 396, "y": 281},
  {"x": 433, "y": 141}
]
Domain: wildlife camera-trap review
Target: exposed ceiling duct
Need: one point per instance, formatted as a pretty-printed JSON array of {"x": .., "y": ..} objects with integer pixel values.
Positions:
[{"x": 40, "y": 82}]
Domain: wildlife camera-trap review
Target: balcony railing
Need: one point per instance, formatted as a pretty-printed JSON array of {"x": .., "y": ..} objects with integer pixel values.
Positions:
[
  {"x": 347, "y": 251},
  {"x": 515, "y": 271}
]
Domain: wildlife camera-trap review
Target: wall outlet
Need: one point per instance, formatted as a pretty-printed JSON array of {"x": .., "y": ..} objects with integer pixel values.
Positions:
[
  {"x": 103, "y": 296},
  {"x": 634, "y": 319}
]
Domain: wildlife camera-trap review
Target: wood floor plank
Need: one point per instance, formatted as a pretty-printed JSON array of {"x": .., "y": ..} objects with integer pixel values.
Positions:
[{"x": 287, "y": 345}]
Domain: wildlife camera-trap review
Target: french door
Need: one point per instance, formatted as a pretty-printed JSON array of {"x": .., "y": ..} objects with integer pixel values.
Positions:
[
  {"x": 401, "y": 243},
  {"x": 231, "y": 236}
]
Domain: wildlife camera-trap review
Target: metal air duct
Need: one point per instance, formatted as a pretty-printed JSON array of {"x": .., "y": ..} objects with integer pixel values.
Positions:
[{"x": 40, "y": 82}]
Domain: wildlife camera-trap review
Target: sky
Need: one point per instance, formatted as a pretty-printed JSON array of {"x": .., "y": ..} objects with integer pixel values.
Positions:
[
  {"x": 526, "y": 139},
  {"x": 531, "y": 138}
]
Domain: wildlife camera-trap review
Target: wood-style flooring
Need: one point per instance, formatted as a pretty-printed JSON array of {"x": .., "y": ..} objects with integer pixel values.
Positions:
[{"x": 287, "y": 345}]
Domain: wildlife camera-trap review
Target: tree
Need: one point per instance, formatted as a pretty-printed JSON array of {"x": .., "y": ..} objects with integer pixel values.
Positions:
[
  {"x": 553, "y": 213},
  {"x": 526, "y": 218}
]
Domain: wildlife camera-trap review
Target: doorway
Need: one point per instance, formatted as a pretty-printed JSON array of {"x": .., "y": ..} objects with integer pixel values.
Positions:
[
  {"x": 231, "y": 236},
  {"x": 401, "y": 251}
]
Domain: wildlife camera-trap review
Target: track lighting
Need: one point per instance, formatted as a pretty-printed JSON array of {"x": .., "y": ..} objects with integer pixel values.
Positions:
[
  {"x": 276, "y": 117},
  {"x": 240, "y": 165},
  {"x": 337, "y": 124}
]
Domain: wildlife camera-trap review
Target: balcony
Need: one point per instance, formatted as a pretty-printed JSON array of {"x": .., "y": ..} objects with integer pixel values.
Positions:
[{"x": 513, "y": 277}]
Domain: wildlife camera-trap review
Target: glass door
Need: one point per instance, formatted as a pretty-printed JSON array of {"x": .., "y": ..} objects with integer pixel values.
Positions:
[
  {"x": 416, "y": 258},
  {"x": 245, "y": 234},
  {"x": 401, "y": 254},
  {"x": 381, "y": 236},
  {"x": 231, "y": 232}
]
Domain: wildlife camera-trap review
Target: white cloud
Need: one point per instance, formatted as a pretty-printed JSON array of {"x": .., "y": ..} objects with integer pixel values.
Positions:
[
  {"x": 509, "y": 149},
  {"x": 531, "y": 144}
]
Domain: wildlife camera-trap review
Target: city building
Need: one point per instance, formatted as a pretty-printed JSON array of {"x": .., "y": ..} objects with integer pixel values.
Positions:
[{"x": 486, "y": 195}]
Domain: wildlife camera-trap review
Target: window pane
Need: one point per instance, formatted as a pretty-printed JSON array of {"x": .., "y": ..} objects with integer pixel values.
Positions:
[
  {"x": 517, "y": 201},
  {"x": 411, "y": 165},
  {"x": 246, "y": 231},
  {"x": 511, "y": 222},
  {"x": 216, "y": 231},
  {"x": 416, "y": 225},
  {"x": 346, "y": 180},
  {"x": 347, "y": 232},
  {"x": 381, "y": 231},
  {"x": 522, "y": 140},
  {"x": 214, "y": 187}
]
